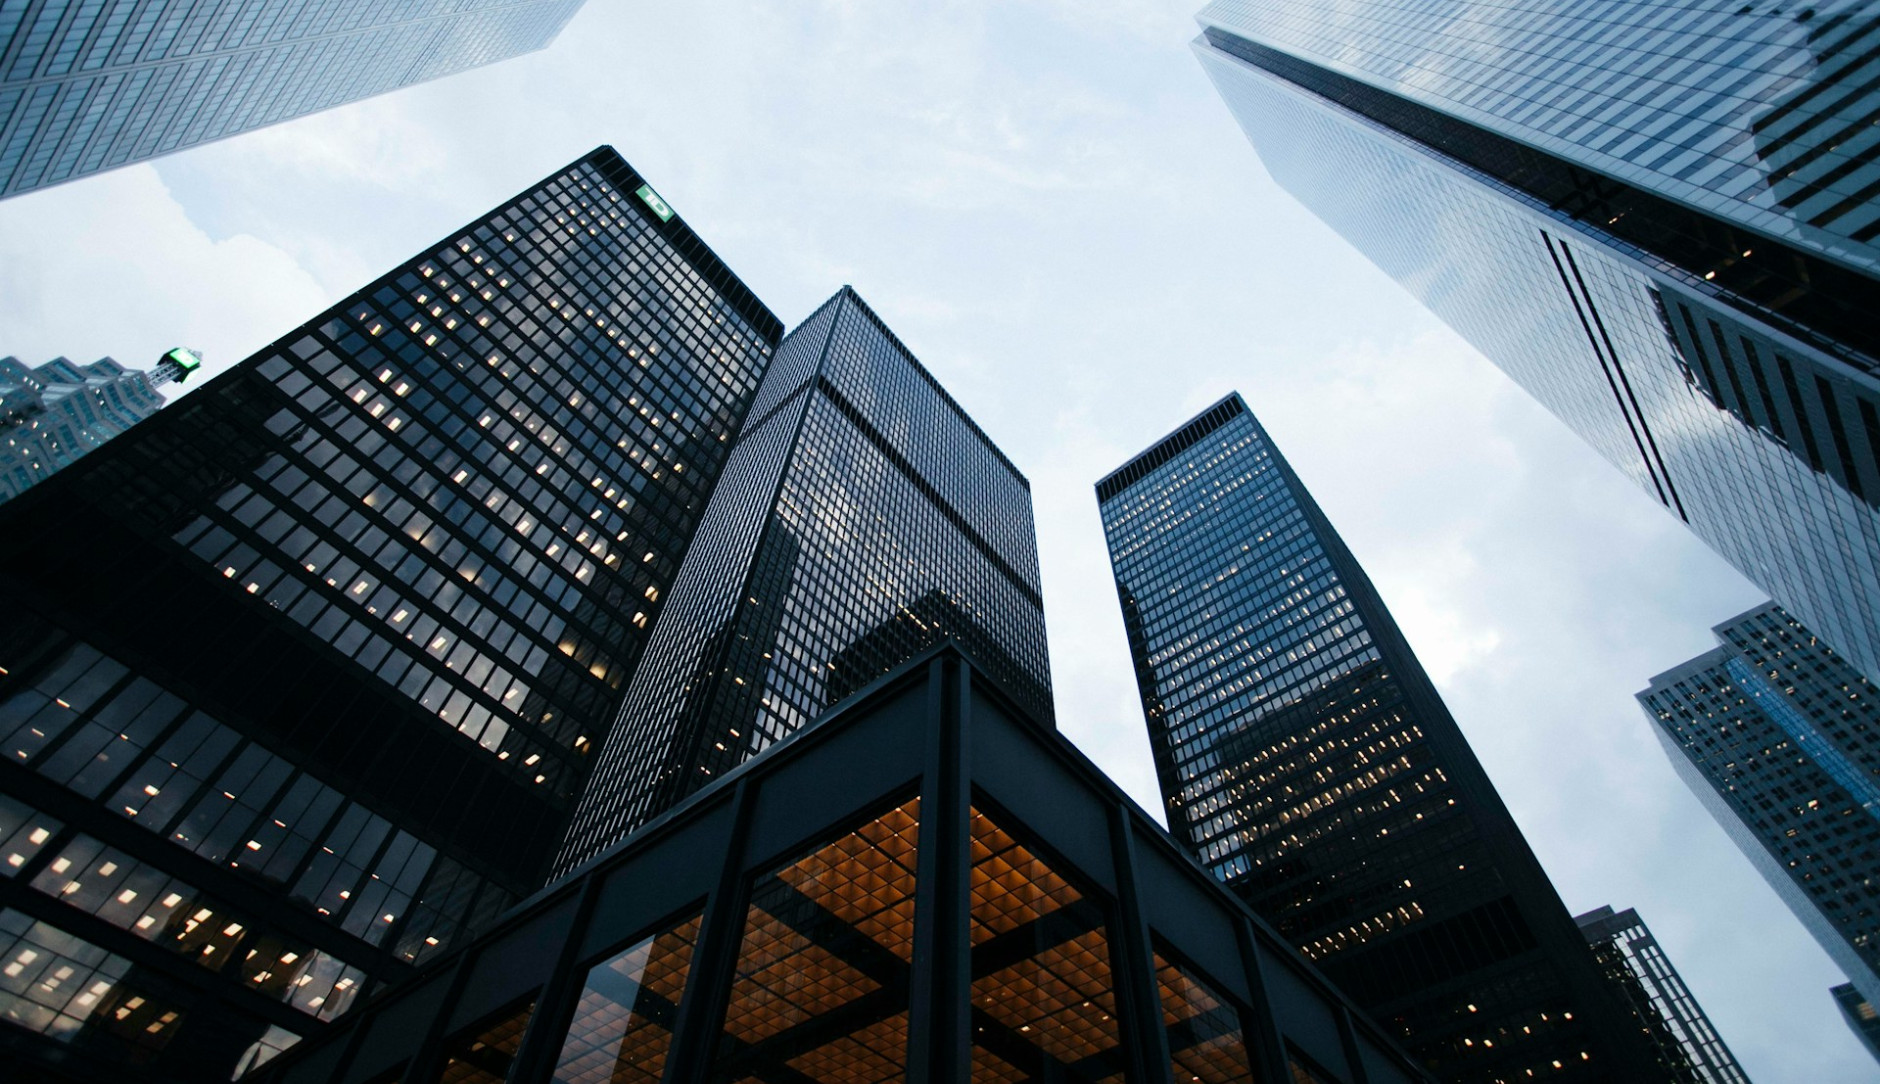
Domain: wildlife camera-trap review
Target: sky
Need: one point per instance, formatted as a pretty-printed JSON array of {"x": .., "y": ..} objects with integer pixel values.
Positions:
[{"x": 1054, "y": 211}]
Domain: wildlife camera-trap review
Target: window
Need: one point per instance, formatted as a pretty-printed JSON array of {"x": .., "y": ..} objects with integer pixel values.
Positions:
[{"x": 622, "y": 1027}]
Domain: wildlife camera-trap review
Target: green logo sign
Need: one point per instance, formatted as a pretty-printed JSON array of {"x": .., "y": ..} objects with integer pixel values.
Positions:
[{"x": 651, "y": 199}]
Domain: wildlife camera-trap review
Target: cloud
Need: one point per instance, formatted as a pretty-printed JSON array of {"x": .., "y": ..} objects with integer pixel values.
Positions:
[{"x": 112, "y": 265}]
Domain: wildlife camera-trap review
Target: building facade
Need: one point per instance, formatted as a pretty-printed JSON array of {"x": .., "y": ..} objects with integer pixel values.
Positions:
[
  {"x": 1860, "y": 1015},
  {"x": 928, "y": 885},
  {"x": 1659, "y": 219},
  {"x": 1307, "y": 761},
  {"x": 862, "y": 518},
  {"x": 89, "y": 86},
  {"x": 301, "y": 679},
  {"x": 1780, "y": 739},
  {"x": 1689, "y": 1048},
  {"x": 54, "y": 413}
]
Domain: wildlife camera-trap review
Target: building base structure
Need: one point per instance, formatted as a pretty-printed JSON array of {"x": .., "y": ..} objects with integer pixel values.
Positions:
[{"x": 927, "y": 885}]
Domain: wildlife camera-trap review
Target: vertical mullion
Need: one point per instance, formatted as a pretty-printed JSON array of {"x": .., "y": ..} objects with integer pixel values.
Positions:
[
  {"x": 1348, "y": 1038},
  {"x": 939, "y": 1043},
  {"x": 1269, "y": 1045},
  {"x": 1135, "y": 981},
  {"x": 427, "y": 1053},
  {"x": 715, "y": 957},
  {"x": 553, "y": 1006}
]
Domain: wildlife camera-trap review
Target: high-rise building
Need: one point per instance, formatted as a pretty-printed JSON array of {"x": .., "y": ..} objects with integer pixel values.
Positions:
[
  {"x": 1780, "y": 739},
  {"x": 1308, "y": 762},
  {"x": 862, "y": 518},
  {"x": 90, "y": 86},
  {"x": 1689, "y": 1048},
  {"x": 301, "y": 678},
  {"x": 1660, "y": 219},
  {"x": 52, "y": 414},
  {"x": 1860, "y": 1015},
  {"x": 928, "y": 885}
]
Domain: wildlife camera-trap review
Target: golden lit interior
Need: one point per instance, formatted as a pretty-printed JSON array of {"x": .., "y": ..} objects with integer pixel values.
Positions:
[
  {"x": 622, "y": 1027},
  {"x": 822, "y": 978},
  {"x": 1043, "y": 1001},
  {"x": 1204, "y": 1037},
  {"x": 482, "y": 1055}
]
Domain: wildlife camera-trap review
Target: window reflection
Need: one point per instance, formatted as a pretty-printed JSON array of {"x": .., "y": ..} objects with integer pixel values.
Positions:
[
  {"x": 483, "y": 1053},
  {"x": 72, "y": 991},
  {"x": 622, "y": 1028},
  {"x": 1204, "y": 1037},
  {"x": 1043, "y": 998},
  {"x": 822, "y": 978}
]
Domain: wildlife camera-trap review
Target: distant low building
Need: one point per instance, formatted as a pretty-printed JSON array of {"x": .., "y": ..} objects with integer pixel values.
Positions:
[{"x": 51, "y": 415}]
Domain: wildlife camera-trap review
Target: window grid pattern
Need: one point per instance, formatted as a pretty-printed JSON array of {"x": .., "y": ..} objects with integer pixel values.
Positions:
[
  {"x": 1776, "y": 734},
  {"x": 862, "y": 519},
  {"x": 1689, "y": 1044},
  {"x": 88, "y": 85},
  {"x": 1297, "y": 769},
  {"x": 1634, "y": 356},
  {"x": 53, "y": 413},
  {"x": 1758, "y": 113}
]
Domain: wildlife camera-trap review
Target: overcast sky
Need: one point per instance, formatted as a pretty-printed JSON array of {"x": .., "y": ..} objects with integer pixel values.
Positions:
[{"x": 1050, "y": 206}]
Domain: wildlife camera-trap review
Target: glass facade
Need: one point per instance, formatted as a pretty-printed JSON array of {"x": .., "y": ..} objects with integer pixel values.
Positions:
[
  {"x": 300, "y": 680},
  {"x": 53, "y": 413},
  {"x": 1594, "y": 168},
  {"x": 1688, "y": 1046},
  {"x": 862, "y": 518},
  {"x": 1860, "y": 1015},
  {"x": 1308, "y": 763},
  {"x": 89, "y": 85},
  {"x": 1780, "y": 739},
  {"x": 926, "y": 885}
]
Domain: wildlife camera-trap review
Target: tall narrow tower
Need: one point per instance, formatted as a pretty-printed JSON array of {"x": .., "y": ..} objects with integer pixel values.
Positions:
[
  {"x": 862, "y": 518},
  {"x": 1661, "y": 219},
  {"x": 301, "y": 677},
  {"x": 92, "y": 86},
  {"x": 1306, "y": 759}
]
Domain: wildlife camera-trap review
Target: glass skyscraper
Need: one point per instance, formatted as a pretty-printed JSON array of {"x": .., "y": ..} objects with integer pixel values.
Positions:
[
  {"x": 301, "y": 678},
  {"x": 88, "y": 85},
  {"x": 862, "y": 518},
  {"x": 1688, "y": 1045},
  {"x": 1862, "y": 1018},
  {"x": 1780, "y": 739},
  {"x": 1308, "y": 762},
  {"x": 53, "y": 413},
  {"x": 1658, "y": 218}
]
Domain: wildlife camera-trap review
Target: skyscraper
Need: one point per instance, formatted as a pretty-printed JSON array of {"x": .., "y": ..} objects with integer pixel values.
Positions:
[
  {"x": 1862, "y": 1018},
  {"x": 1688, "y": 1045},
  {"x": 1308, "y": 762},
  {"x": 1776, "y": 734},
  {"x": 299, "y": 680},
  {"x": 91, "y": 86},
  {"x": 52, "y": 414},
  {"x": 1660, "y": 219},
  {"x": 862, "y": 518}
]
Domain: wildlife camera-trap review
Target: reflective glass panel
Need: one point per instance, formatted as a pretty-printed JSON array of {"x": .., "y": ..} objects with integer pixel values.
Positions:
[
  {"x": 1044, "y": 1004},
  {"x": 622, "y": 1027},
  {"x": 822, "y": 978},
  {"x": 1204, "y": 1038},
  {"x": 483, "y": 1053}
]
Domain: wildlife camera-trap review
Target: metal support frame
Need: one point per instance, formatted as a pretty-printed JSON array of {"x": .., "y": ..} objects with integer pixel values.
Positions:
[
  {"x": 1269, "y": 1047},
  {"x": 427, "y": 1060},
  {"x": 1138, "y": 1001},
  {"x": 715, "y": 958},
  {"x": 541, "y": 1042},
  {"x": 1348, "y": 1041},
  {"x": 939, "y": 1049}
]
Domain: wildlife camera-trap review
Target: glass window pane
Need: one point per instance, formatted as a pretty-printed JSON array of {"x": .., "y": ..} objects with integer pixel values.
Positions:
[
  {"x": 623, "y": 1024},
  {"x": 1204, "y": 1037},
  {"x": 483, "y": 1053},
  {"x": 23, "y": 831},
  {"x": 1044, "y": 1004},
  {"x": 72, "y": 991},
  {"x": 822, "y": 977}
]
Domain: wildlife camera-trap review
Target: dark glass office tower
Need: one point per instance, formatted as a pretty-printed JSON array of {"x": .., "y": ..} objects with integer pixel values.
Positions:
[
  {"x": 300, "y": 679},
  {"x": 862, "y": 518},
  {"x": 1689, "y": 1047},
  {"x": 53, "y": 413},
  {"x": 1661, "y": 219},
  {"x": 1862, "y": 1018},
  {"x": 1307, "y": 761},
  {"x": 89, "y": 86},
  {"x": 1777, "y": 735}
]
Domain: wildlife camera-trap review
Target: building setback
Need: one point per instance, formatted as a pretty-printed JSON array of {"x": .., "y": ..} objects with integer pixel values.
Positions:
[
  {"x": 1689, "y": 1048},
  {"x": 1307, "y": 761},
  {"x": 927, "y": 885},
  {"x": 1780, "y": 739},
  {"x": 1659, "y": 219},
  {"x": 301, "y": 678},
  {"x": 86, "y": 87},
  {"x": 862, "y": 518},
  {"x": 54, "y": 413}
]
